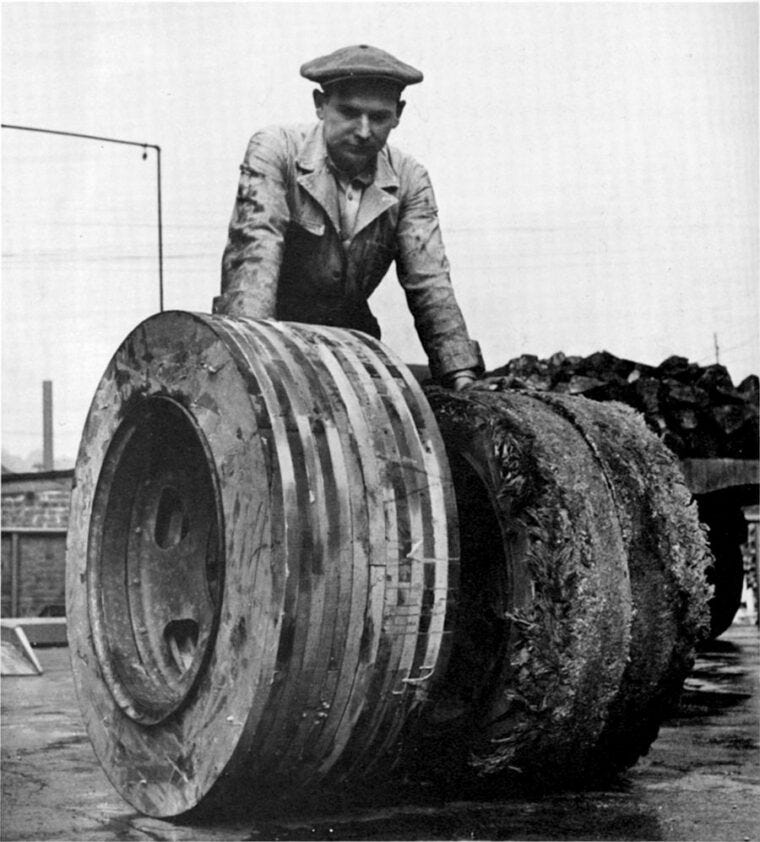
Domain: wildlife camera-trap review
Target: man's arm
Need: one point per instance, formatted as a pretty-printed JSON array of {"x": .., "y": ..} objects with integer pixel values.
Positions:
[
  {"x": 423, "y": 271},
  {"x": 253, "y": 255}
]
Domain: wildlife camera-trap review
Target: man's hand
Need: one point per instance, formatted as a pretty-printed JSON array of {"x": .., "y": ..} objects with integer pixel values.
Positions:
[{"x": 458, "y": 381}]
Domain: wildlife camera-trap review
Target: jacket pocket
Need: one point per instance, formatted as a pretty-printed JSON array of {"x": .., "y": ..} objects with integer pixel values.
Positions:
[
  {"x": 312, "y": 265},
  {"x": 372, "y": 263}
]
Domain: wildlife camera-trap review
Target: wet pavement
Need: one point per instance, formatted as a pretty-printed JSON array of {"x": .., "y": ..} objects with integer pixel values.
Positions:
[{"x": 700, "y": 780}]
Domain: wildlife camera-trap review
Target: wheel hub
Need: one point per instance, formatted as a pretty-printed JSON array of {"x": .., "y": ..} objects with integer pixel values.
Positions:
[{"x": 155, "y": 564}]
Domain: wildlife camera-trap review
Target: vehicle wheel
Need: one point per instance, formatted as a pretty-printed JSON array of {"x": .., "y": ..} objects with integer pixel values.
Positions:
[
  {"x": 727, "y": 531},
  {"x": 667, "y": 559},
  {"x": 258, "y": 560},
  {"x": 543, "y": 630},
  {"x": 582, "y": 586}
]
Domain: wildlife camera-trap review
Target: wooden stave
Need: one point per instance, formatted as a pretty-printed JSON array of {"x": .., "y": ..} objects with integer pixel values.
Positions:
[
  {"x": 423, "y": 420},
  {"x": 386, "y": 714}
]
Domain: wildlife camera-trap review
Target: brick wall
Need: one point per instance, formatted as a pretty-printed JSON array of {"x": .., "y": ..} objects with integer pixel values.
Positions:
[
  {"x": 38, "y": 503},
  {"x": 41, "y": 575},
  {"x": 35, "y": 511}
]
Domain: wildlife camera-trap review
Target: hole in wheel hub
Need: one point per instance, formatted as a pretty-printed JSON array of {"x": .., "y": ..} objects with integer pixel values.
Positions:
[
  {"x": 182, "y": 639},
  {"x": 172, "y": 524}
]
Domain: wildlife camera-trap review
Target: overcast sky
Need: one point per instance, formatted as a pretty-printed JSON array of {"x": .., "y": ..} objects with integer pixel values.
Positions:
[{"x": 595, "y": 167}]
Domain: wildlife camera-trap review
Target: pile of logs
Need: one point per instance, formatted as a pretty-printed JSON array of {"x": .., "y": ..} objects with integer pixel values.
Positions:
[{"x": 697, "y": 411}]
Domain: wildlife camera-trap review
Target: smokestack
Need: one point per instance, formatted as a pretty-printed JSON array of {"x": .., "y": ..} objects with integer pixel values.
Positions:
[{"x": 47, "y": 425}]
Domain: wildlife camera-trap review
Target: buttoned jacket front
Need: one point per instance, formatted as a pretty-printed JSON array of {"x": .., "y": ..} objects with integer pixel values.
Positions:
[{"x": 286, "y": 257}]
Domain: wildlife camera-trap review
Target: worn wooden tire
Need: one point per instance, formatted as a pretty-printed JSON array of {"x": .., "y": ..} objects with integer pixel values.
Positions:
[
  {"x": 542, "y": 644},
  {"x": 668, "y": 561},
  {"x": 578, "y": 621},
  {"x": 261, "y": 551}
]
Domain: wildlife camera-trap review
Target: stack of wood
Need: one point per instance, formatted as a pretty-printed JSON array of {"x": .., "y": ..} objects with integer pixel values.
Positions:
[{"x": 697, "y": 411}]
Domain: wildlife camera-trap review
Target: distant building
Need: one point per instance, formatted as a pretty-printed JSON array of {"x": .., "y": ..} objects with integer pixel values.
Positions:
[{"x": 35, "y": 513}]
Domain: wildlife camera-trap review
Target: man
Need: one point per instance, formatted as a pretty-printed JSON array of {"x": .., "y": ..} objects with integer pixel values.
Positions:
[{"x": 322, "y": 211}]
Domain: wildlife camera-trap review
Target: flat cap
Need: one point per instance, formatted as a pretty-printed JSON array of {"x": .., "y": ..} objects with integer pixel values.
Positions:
[{"x": 360, "y": 62}]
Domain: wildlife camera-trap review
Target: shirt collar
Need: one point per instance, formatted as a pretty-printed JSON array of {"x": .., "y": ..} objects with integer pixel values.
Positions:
[{"x": 366, "y": 177}]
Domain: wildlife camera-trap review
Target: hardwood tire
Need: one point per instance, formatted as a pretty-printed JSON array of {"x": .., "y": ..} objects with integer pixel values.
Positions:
[
  {"x": 261, "y": 550},
  {"x": 543, "y": 636},
  {"x": 577, "y": 626},
  {"x": 668, "y": 560}
]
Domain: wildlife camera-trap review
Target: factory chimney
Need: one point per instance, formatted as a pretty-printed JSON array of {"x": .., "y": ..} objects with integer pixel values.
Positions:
[{"x": 47, "y": 425}]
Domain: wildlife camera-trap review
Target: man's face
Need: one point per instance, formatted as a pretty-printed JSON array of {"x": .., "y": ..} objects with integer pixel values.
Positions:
[{"x": 357, "y": 117}]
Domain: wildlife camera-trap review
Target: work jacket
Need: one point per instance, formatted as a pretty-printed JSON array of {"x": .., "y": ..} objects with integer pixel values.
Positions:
[{"x": 285, "y": 258}]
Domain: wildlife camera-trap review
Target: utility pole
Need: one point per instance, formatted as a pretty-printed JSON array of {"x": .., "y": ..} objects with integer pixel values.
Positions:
[
  {"x": 717, "y": 349},
  {"x": 144, "y": 147}
]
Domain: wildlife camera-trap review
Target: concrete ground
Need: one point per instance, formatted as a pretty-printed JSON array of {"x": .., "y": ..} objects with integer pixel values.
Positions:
[{"x": 700, "y": 781}]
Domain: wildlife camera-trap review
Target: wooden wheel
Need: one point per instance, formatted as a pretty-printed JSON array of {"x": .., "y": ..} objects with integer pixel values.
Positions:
[
  {"x": 582, "y": 587},
  {"x": 262, "y": 544}
]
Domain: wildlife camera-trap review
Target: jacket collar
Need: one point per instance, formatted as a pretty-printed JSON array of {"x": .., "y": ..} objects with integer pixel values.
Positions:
[{"x": 319, "y": 182}]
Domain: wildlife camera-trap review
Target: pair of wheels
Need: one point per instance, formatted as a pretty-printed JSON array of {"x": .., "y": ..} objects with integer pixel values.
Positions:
[{"x": 266, "y": 591}]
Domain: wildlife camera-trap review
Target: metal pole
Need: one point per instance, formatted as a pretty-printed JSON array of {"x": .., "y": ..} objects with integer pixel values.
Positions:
[
  {"x": 15, "y": 573},
  {"x": 160, "y": 238},
  {"x": 143, "y": 146}
]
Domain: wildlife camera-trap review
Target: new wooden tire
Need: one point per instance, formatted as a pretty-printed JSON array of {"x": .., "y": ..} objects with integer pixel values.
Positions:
[{"x": 261, "y": 546}]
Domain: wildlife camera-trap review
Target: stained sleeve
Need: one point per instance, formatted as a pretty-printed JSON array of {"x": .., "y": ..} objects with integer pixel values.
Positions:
[
  {"x": 423, "y": 271},
  {"x": 253, "y": 255}
]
